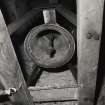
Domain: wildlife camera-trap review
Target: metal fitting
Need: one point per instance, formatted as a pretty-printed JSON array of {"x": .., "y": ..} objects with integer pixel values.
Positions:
[
  {"x": 93, "y": 35},
  {"x": 89, "y": 36},
  {"x": 8, "y": 92}
]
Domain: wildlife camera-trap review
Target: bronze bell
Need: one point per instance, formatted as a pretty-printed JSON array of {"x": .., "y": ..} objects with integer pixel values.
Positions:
[{"x": 49, "y": 45}]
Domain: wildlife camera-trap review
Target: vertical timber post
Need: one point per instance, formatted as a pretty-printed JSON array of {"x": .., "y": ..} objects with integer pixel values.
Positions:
[
  {"x": 10, "y": 72},
  {"x": 89, "y": 27}
]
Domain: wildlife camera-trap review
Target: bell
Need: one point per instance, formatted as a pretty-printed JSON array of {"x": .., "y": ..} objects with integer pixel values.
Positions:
[{"x": 49, "y": 45}]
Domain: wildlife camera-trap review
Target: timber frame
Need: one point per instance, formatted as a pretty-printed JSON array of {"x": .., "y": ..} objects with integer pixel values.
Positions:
[
  {"x": 89, "y": 29},
  {"x": 88, "y": 21},
  {"x": 10, "y": 72}
]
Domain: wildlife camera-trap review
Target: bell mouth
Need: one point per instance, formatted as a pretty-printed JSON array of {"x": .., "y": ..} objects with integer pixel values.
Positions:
[{"x": 49, "y": 46}]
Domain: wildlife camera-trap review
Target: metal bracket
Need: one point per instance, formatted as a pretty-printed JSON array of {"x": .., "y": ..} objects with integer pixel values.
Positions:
[{"x": 8, "y": 92}]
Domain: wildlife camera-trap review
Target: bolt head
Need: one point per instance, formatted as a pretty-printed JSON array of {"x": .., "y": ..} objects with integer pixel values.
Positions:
[{"x": 89, "y": 36}]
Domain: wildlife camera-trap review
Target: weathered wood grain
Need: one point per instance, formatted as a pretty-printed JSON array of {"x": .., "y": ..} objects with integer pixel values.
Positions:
[
  {"x": 10, "y": 72},
  {"x": 58, "y": 103},
  {"x": 63, "y": 94},
  {"x": 55, "y": 87},
  {"x": 89, "y": 27},
  {"x": 49, "y": 16}
]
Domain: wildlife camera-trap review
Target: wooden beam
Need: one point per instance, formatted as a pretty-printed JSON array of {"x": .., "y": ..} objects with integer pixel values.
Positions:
[
  {"x": 49, "y": 16},
  {"x": 69, "y": 15},
  {"x": 100, "y": 87},
  {"x": 10, "y": 72},
  {"x": 89, "y": 27},
  {"x": 10, "y": 9},
  {"x": 25, "y": 21},
  {"x": 57, "y": 94},
  {"x": 58, "y": 103},
  {"x": 51, "y": 87}
]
